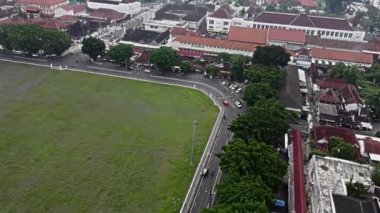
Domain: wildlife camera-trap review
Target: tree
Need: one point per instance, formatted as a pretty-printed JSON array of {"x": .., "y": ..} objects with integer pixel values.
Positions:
[
  {"x": 237, "y": 63},
  {"x": 271, "y": 8},
  {"x": 93, "y": 47},
  {"x": 377, "y": 134},
  {"x": 212, "y": 70},
  {"x": 224, "y": 57},
  {"x": 240, "y": 158},
  {"x": 376, "y": 176},
  {"x": 242, "y": 12},
  {"x": 336, "y": 6},
  {"x": 374, "y": 74},
  {"x": 264, "y": 74},
  {"x": 164, "y": 58},
  {"x": 341, "y": 149},
  {"x": 185, "y": 66},
  {"x": 349, "y": 73},
  {"x": 271, "y": 56},
  {"x": 258, "y": 91},
  {"x": 357, "y": 190},
  {"x": 55, "y": 42},
  {"x": 121, "y": 53},
  {"x": 372, "y": 98},
  {"x": 252, "y": 206},
  {"x": 266, "y": 121}
]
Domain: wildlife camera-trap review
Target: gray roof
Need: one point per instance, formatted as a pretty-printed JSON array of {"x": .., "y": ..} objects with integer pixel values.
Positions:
[
  {"x": 328, "y": 109},
  {"x": 290, "y": 93},
  {"x": 187, "y": 12},
  {"x": 344, "y": 204}
]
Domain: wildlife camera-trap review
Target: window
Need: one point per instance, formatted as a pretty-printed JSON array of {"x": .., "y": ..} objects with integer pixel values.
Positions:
[
  {"x": 211, "y": 27},
  {"x": 323, "y": 32},
  {"x": 345, "y": 35},
  {"x": 312, "y": 32},
  {"x": 336, "y": 34},
  {"x": 225, "y": 23},
  {"x": 340, "y": 34},
  {"x": 350, "y": 35},
  {"x": 225, "y": 28},
  {"x": 210, "y": 21}
]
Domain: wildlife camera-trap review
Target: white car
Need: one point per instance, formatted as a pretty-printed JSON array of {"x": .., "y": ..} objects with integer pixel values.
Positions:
[
  {"x": 231, "y": 86},
  {"x": 146, "y": 70},
  {"x": 238, "y": 104},
  {"x": 238, "y": 90},
  {"x": 224, "y": 83}
]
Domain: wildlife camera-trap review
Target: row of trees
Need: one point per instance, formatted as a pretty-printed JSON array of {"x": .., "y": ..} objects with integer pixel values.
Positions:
[
  {"x": 251, "y": 166},
  {"x": 33, "y": 39}
]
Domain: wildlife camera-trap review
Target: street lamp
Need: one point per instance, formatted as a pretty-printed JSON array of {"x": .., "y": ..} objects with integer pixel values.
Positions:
[{"x": 195, "y": 123}]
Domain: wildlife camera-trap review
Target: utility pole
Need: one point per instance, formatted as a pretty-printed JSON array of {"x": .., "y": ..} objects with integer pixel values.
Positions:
[{"x": 195, "y": 123}]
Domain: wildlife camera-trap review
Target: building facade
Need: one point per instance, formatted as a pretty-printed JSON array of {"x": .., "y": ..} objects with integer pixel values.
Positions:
[
  {"x": 42, "y": 7},
  {"x": 325, "y": 27},
  {"x": 128, "y": 7}
]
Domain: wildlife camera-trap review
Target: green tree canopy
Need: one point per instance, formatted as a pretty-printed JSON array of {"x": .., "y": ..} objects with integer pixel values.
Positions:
[
  {"x": 121, "y": 53},
  {"x": 55, "y": 42},
  {"x": 254, "y": 159},
  {"x": 212, "y": 70},
  {"x": 376, "y": 176},
  {"x": 374, "y": 74},
  {"x": 341, "y": 149},
  {"x": 349, "y": 73},
  {"x": 357, "y": 189},
  {"x": 336, "y": 7},
  {"x": 266, "y": 121},
  {"x": 258, "y": 91},
  {"x": 93, "y": 47},
  {"x": 164, "y": 58},
  {"x": 264, "y": 74},
  {"x": 237, "y": 64},
  {"x": 271, "y": 56},
  {"x": 224, "y": 57},
  {"x": 185, "y": 66}
]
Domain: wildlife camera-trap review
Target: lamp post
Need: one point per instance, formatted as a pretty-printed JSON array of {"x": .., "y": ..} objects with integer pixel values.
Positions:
[{"x": 195, "y": 123}]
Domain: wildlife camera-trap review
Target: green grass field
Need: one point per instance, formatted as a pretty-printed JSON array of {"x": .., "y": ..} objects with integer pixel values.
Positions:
[{"x": 77, "y": 142}]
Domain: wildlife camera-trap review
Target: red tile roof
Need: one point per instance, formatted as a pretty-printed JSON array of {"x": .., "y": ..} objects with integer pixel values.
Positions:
[
  {"x": 108, "y": 14},
  {"x": 250, "y": 35},
  {"x": 304, "y": 20},
  {"x": 41, "y": 2},
  {"x": 326, "y": 132},
  {"x": 328, "y": 97},
  {"x": 308, "y": 3},
  {"x": 371, "y": 146},
  {"x": 287, "y": 35},
  {"x": 55, "y": 25},
  {"x": 341, "y": 55},
  {"x": 68, "y": 18},
  {"x": 175, "y": 31},
  {"x": 76, "y": 8},
  {"x": 223, "y": 12},
  {"x": 300, "y": 196},
  {"x": 337, "y": 84},
  {"x": 216, "y": 43},
  {"x": 351, "y": 95}
]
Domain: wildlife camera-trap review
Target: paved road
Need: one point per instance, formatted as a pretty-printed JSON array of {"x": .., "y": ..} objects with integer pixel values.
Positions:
[{"x": 212, "y": 87}]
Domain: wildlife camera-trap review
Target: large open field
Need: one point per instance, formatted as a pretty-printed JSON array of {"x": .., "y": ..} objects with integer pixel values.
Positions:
[{"x": 76, "y": 142}]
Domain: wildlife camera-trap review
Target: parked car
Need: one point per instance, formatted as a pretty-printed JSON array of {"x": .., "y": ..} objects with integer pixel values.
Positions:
[
  {"x": 204, "y": 172},
  {"x": 238, "y": 104},
  {"x": 238, "y": 90},
  {"x": 231, "y": 86},
  {"x": 224, "y": 83},
  {"x": 234, "y": 87},
  {"x": 225, "y": 103},
  {"x": 146, "y": 70}
]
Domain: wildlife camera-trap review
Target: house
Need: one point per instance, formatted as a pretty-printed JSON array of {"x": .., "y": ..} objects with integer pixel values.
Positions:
[
  {"x": 107, "y": 16},
  {"x": 177, "y": 31},
  {"x": 326, "y": 181},
  {"x": 369, "y": 147},
  {"x": 70, "y": 9},
  {"x": 248, "y": 35},
  {"x": 322, "y": 135},
  {"x": 325, "y": 27},
  {"x": 145, "y": 39},
  {"x": 45, "y": 8},
  {"x": 128, "y": 7},
  {"x": 193, "y": 14},
  {"x": 290, "y": 92},
  {"x": 210, "y": 46},
  {"x": 224, "y": 17}
]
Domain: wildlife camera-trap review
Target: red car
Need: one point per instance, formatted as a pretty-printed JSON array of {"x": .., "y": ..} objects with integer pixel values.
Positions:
[{"x": 225, "y": 103}]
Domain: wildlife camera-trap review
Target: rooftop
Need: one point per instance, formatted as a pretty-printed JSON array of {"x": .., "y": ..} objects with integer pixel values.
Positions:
[
  {"x": 187, "y": 12},
  {"x": 107, "y": 14},
  {"x": 328, "y": 109},
  {"x": 299, "y": 175},
  {"x": 216, "y": 43},
  {"x": 337, "y": 44},
  {"x": 344, "y": 204},
  {"x": 287, "y": 35},
  {"x": 76, "y": 8},
  {"x": 304, "y": 20},
  {"x": 41, "y": 2},
  {"x": 290, "y": 93},
  {"x": 322, "y": 135},
  {"x": 340, "y": 55},
  {"x": 336, "y": 84},
  {"x": 328, "y": 177},
  {"x": 327, "y": 96},
  {"x": 250, "y": 35},
  {"x": 175, "y": 31},
  {"x": 308, "y": 3},
  {"x": 145, "y": 36},
  {"x": 223, "y": 12}
]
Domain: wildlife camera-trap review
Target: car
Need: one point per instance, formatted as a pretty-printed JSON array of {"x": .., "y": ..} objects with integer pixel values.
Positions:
[
  {"x": 232, "y": 86},
  {"x": 224, "y": 83},
  {"x": 225, "y": 103},
  {"x": 204, "y": 172},
  {"x": 147, "y": 70},
  {"x": 238, "y": 104},
  {"x": 238, "y": 90},
  {"x": 18, "y": 52}
]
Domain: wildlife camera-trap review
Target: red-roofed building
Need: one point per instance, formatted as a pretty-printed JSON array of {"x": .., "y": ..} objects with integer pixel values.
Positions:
[
  {"x": 249, "y": 35},
  {"x": 70, "y": 9},
  {"x": 308, "y": 3},
  {"x": 43, "y": 7},
  {"x": 211, "y": 47},
  {"x": 322, "y": 135},
  {"x": 300, "y": 196},
  {"x": 107, "y": 15},
  {"x": 369, "y": 147},
  {"x": 55, "y": 25},
  {"x": 326, "y": 27},
  {"x": 176, "y": 31},
  {"x": 327, "y": 97},
  {"x": 329, "y": 56}
]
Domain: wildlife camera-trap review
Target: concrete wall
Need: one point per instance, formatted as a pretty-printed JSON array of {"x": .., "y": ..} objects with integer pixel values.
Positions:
[{"x": 130, "y": 9}]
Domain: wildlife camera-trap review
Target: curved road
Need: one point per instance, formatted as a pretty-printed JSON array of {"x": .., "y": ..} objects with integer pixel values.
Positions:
[{"x": 211, "y": 87}]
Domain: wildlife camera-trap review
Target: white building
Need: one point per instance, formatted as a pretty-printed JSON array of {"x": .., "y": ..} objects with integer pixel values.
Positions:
[
  {"x": 128, "y": 7},
  {"x": 70, "y": 9},
  {"x": 327, "y": 178},
  {"x": 221, "y": 20},
  {"x": 42, "y": 7},
  {"x": 325, "y": 27},
  {"x": 163, "y": 25}
]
